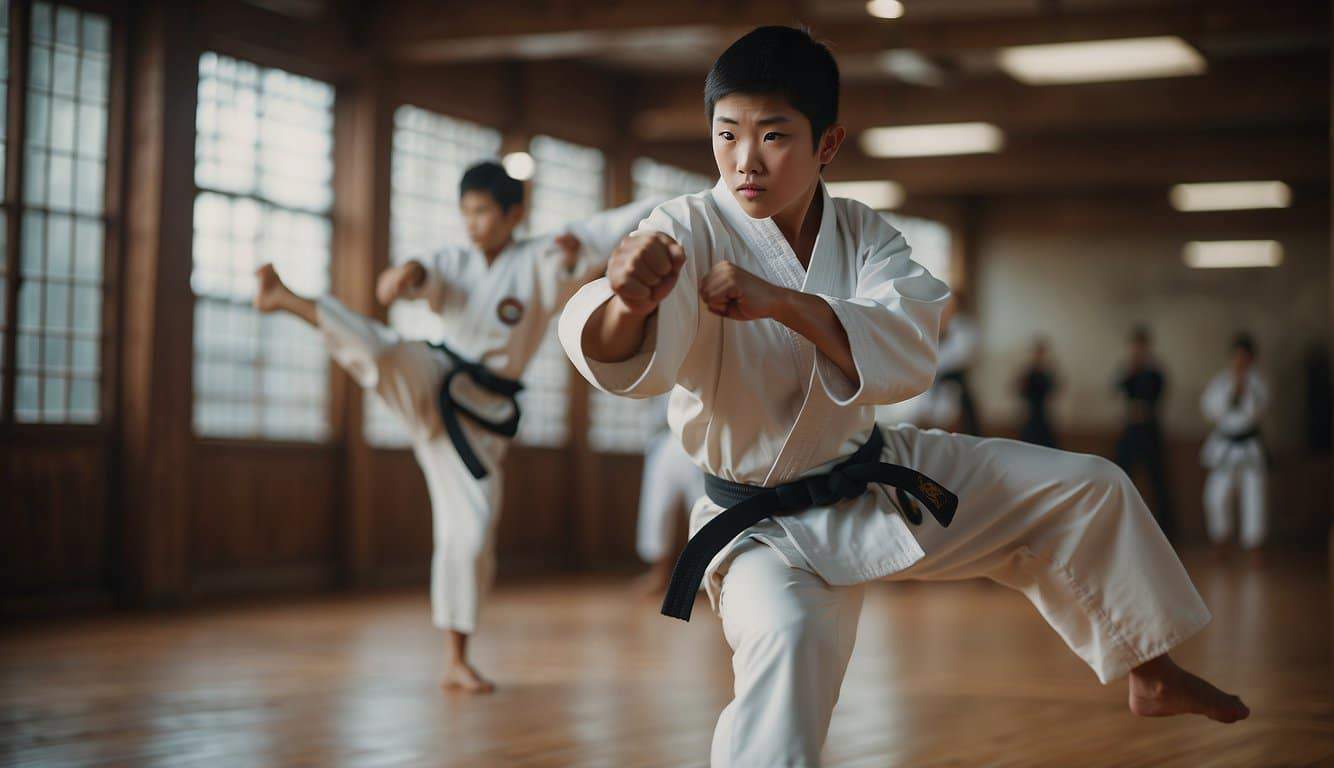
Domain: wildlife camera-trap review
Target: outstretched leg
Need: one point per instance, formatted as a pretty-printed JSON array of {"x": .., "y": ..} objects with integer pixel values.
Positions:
[{"x": 1072, "y": 534}]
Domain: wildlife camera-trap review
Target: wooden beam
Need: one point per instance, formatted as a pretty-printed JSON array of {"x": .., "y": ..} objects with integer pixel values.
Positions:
[
  {"x": 423, "y": 30},
  {"x": 363, "y": 127},
  {"x": 1301, "y": 22},
  {"x": 1280, "y": 91},
  {"x": 155, "y": 412},
  {"x": 1072, "y": 163}
]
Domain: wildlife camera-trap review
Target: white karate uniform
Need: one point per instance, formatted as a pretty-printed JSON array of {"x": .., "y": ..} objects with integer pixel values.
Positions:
[
  {"x": 755, "y": 402},
  {"x": 671, "y": 483},
  {"x": 1235, "y": 466},
  {"x": 496, "y": 314}
]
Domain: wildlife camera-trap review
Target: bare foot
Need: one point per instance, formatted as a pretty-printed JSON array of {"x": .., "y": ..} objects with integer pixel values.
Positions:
[
  {"x": 271, "y": 292},
  {"x": 462, "y": 677},
  {"x": 1159, "y": 688}
]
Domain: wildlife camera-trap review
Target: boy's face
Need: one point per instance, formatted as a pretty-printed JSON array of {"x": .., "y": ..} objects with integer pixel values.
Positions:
[
  {"x": 489, "y": 228},
  {"x": 763, "y": 149}
]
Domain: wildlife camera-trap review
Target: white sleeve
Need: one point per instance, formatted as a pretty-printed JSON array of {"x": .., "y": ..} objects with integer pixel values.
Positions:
[
  {"x": 668, "y": 334},
  {"x": 892, "y": 322}
]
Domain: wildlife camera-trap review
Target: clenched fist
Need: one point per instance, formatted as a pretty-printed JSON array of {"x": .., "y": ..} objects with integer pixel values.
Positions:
[
  {"x": 734, "y": 293},
  {"x": 396, "y": 281},
  {"x": 643, "y": 269}
]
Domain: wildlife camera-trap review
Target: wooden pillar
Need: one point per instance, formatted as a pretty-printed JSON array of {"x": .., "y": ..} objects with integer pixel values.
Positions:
[
  {"x": 363, "y": 126},
  {"x": 158, "y": 311}
]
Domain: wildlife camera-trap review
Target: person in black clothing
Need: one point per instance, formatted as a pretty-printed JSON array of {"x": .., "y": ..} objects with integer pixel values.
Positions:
[
  {"x": 1143, "y": 385},
  {"x": 1036, "y": 384}
]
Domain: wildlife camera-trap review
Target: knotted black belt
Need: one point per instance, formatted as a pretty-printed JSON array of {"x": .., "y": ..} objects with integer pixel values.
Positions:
[
  {"x": 747, "y": 505},
  {"x": 450, "y": 409}
]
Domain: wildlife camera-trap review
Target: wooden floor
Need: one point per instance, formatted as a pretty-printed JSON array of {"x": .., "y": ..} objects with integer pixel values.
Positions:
[{"x": 943, "y": 675}]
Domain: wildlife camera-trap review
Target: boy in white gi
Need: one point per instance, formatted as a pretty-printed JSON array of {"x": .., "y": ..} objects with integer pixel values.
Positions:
[
  {"x": 1234, "y": 402},
  {"x": 778, "y": 317},
  {"x": 457, "y": 399}
]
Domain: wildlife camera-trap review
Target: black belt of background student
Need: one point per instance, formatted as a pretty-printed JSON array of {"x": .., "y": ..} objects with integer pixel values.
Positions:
[
  {"x": 450, "y": 409},
  {"x": 1237, "y": 438},
  {"x": 747, "y": 505}
]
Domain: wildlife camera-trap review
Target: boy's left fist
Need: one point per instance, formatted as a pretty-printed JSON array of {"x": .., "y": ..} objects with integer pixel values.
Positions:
[{"x": 732, "y": 292}]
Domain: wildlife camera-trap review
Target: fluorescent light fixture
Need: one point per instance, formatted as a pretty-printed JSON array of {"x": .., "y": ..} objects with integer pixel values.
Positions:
[
  {"x": 1231, "y": 196},
  {"x": 1137, "y": 58},
  {"x": 520, "y": 165},
  {"x": 926, "y": 140},
  {"x": 880, "y": 195},
  {"x": 1230, "y": 254},
  {"x": 884, "y": 9}
]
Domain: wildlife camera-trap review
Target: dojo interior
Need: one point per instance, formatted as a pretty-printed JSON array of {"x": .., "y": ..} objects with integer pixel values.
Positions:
[{"x": 214, "y": 547}]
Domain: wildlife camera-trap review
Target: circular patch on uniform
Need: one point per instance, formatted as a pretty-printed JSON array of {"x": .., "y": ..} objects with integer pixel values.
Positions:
[{"x": 509, "y": 310}]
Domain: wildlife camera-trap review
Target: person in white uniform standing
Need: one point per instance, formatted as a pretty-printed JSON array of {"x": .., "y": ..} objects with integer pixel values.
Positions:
[
  {"x": 778, "y": 317},
  {"x": 1234, "y": 453},
  {"x": 457, "y": 398},
  {"x": 671, "y": 485}
]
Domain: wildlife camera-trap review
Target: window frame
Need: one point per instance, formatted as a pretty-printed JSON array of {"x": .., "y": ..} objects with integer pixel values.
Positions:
[
  {"x": 221, "y": 44},
  {"x": 112, "y": 218}
]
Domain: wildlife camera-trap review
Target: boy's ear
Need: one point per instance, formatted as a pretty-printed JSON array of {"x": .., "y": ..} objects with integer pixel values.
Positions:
[{"x": 830, "y": 142}]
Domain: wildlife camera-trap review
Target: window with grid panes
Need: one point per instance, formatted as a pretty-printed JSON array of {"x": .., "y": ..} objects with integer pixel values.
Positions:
[
  {"x": 58, "y": 318},
  {"x": 567, "y": 185},
  {"x": 263, "y": 174},
  {"x": 620, "y": 424},
  {"x": 430, "y": 154}
]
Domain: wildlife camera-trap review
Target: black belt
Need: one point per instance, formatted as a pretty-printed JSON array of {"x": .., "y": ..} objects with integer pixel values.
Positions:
[
  {"x": 1240, "y": 437},
  {"x": 747, "y": 505},
  {"x": 450, "y": 408}
]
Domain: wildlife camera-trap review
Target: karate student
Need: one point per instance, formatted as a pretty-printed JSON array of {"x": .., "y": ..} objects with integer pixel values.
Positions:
[
  {"x": 1235, "y": 402},
  {"x": 1036, "y": 386},
  {"x": 1143, "y": 385},
  {"x": 778, "y": 317},
  {"x": 671, "y": 485},
  {"x": 457, "y": 399}
]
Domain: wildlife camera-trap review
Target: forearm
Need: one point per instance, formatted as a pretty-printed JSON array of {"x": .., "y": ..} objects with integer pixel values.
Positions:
[
  {"x": 813, "y": 318},
  {"x": 614, "y": 333}
]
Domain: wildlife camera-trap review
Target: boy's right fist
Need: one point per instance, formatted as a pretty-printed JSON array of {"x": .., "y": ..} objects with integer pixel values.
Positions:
[
  {"x": 643, "y": 269},
  {"x": 396, "y": 281}
]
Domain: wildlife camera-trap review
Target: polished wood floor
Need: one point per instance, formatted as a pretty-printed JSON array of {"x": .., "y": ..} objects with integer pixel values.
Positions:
[{"x": 943, "y": 675}]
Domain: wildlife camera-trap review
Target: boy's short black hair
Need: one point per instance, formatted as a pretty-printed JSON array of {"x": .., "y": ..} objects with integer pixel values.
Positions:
[
  {"x": 490, "y": 177},
  {"x": 784, "y": 61},
  {"x": 1243, "y": 342},
  {"x": 1140, "y": 335}
]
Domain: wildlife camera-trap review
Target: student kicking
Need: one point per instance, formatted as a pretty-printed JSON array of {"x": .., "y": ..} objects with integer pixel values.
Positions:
[
  {"x": 457, "y": 401},
  {"x": 778, "y": 317}
]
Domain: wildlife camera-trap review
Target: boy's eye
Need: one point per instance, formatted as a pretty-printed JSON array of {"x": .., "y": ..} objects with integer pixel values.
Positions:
[
  {"x": 773, "y": 136},
  {"x": 727, "y": 135}
]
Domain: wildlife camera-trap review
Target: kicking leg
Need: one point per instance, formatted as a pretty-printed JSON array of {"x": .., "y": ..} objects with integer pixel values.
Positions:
[
  {"x": 1071, "y": 533},
  {"x": 274, "y": 296}
]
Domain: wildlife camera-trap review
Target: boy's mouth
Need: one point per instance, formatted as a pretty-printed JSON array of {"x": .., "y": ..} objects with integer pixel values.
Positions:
[{"x": 750, "y": 191}]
